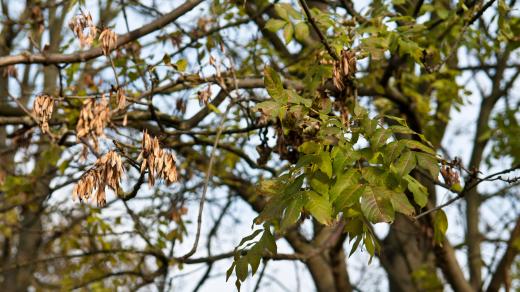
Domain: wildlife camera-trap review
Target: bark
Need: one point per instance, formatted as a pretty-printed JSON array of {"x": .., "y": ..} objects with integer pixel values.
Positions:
[{"x": 501, "y": 275}]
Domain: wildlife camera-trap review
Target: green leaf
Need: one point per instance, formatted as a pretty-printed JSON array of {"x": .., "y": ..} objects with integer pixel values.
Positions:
[
  {"x": 273, "y": 83},
  {"x": 414, "y": 145},
  {"x": 379, "y": 138},
  {"x": 405, "y": 163},
  {"x": 241, "y": 268},
  {"x": 399, "y": 202},
  {"x": 369, "y": 244},
  {"x": 374, "y": 175},
  {"x": 292, "y": 213},
  {"x": 281, "y": 11},
  {"x": 319, "y": 207},
  {"x": 343, "y": 180},
  {"x": 249, "y": 237},
  {"x": 354, "y": 226},
  {"x": 214, "y": 109},
  {"x": 301, "y": 31},
  {"x": 325, "y": 163},
  {"x": 355, "y": 245},
  {"x": 429, "y": 163},
  {"x": 402, "y": 130},
  {"x": 440, "y": 226},
  {"x": 320, "y": 183},
  {"x": 306, "y": 160},
  {"x": 420, "y": 193},
  {"x": 275, "y": 25},
  {"x": 270, "y": 108},
  {"x": 166, "y": 59},
  {"x": 349, "y": 197},
  {"x": 230, "y": 270},
  {"x": 411, "y": 48},
  {"x": 294, "y": 186},
  {"x": 181, "y": 65},
  {"x": 268, "y": 240},
  {"x": 288, "y": 32},
  {"x": 254, "y": 256},
  {"x": 376, "y": 207},
  {"x": 392, "y": 151},
  {"x": 309, "y": 147}
]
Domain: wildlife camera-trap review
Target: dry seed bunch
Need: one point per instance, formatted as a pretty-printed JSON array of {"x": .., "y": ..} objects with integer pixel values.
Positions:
[
  {"x": 93, "y": 119},
  {"x": 121, "y": 98},
  {"x": 344, "y": 69},
  {"x": 450, "y": 175},
  {"x": 79, "y": 23},
  {"x": 108, "y": 40},
  {"x": 42, "y": 109},
  {"x": 157, "y": 161},
  {"x": 204, "y": 96},
  {"x": 107, "y": 172}
]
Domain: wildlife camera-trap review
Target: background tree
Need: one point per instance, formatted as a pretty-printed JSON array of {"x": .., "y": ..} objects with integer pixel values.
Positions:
[{"x": 311, "y": 130}]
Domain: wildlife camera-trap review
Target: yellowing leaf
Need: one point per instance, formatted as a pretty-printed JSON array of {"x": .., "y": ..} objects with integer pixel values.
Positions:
[
  {"x": 273, "y": 83},
  {"x": 325, "y": 164},
  {"x": 319, "y": 207},
  {"x": 292, "y": 213},
  {"x": 420, "y": 193},
  {"x": 376, "y": 207},
  {"x": 288, "y": 33},
  {"x": 301, "y": 31},
  {"x": 181, "y": 65},
  {"x": 440, "y": 226},
  {"x": 274, "y": 25},
  {"x": 405, "y": 163},
  {"x": 281, "y": 11}
]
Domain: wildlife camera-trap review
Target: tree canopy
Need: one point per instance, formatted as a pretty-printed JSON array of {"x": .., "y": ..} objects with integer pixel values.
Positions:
[{"x": 172, "y": 145}]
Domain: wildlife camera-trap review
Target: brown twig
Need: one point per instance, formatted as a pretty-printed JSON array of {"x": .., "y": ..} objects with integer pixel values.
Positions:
[{"x": 311, "y": 20}]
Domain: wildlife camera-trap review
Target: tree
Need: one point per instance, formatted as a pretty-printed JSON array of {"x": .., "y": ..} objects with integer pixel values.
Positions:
[{"x": 132, "y": 134}]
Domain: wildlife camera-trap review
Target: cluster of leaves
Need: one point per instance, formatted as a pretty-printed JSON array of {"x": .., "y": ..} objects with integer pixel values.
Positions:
[
  {"x": 249, "y": 252},
  {"x": 506, "y": 136},
  {"x": 358, "y": 171},
  {"x": 290, "y": 22}
]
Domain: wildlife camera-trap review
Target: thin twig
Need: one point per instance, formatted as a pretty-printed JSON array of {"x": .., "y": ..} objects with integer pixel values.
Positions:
[
  {"x": 331, "y": 51},
  {"x": 438, "y": 207},
  {"x": 206, "y": 184},
  {"x": 260, "y": 277}
]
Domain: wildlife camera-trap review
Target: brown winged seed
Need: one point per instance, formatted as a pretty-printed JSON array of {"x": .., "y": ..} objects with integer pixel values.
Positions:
[
  {"x": 344, "y": 69},
  {"x": 106, "y": 172},
  {"x": 121, "y": 98},
  {"x": 108, "y": 40},
  {"x": 159, "y": 162},
  {"x": 79, "y": 23},
  {"x": 93, "y": 118},
  {"x": 42, "y": 109}
]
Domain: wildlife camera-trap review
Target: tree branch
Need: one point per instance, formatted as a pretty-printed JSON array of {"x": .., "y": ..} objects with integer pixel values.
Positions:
[
  {"x": 83, "y": 56},
  {"x": 501, "y": 274}
]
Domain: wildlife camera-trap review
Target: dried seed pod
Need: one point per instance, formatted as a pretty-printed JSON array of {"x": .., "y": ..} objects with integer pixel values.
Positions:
[
  {"x": 106, "y": 172},
  {"x": 93, "y": 118},
  {"x": 344, "y": 69},
  {"x": 451, "y": 177},
  {"x": 42, "y": 109},
  {"x": 121, "y": 98},
  {"x": 108, "y": 40},
  {"x": 157, "y": 161},
  {"x": 81, "y": 22},
  {"x": 204, "y": 95}
]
